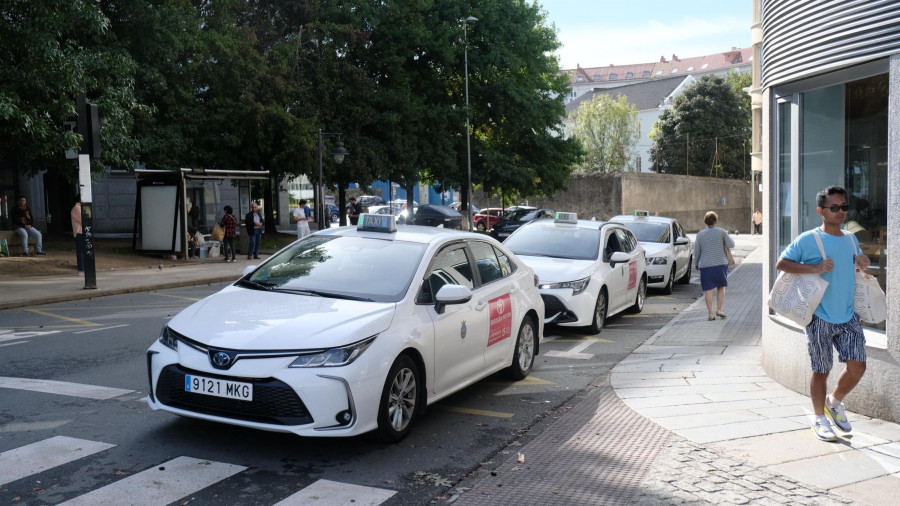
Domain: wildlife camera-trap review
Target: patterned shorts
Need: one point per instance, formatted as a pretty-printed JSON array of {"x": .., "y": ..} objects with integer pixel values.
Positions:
[{"x": 847, "y": 338}]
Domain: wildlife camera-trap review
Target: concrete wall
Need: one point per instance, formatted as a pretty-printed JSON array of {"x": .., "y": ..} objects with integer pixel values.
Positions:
[{"x": 685, "y": 198}]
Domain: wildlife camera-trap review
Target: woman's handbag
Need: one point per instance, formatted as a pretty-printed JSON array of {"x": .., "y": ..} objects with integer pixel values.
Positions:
[
  {"x": 796, "y": 296},
  {"x": 728, "y": 254},
  {"x": 218, "y": 233},
  {"x": 868, "y": 297}
]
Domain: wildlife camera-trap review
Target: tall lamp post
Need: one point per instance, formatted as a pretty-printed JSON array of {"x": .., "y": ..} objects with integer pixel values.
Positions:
[
  {"x": 466, "y": 22},
  {"x": 339, "y": 152}
]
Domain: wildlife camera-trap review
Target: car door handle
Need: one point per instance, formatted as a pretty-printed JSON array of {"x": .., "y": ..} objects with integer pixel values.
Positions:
[
  {"x": 480, "y": 306},
  {"x": 513, "y": 290}
]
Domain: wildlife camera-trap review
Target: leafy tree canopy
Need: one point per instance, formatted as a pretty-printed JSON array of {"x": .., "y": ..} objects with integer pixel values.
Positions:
[
  {"x": 609, "y": 129},
  {"x": 706, "y": 132}
]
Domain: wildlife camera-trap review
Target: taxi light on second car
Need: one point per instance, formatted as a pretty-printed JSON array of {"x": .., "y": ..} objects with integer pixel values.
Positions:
[
  {"x": 334, "y": 357},
  {"x": 577, "y": 286}
]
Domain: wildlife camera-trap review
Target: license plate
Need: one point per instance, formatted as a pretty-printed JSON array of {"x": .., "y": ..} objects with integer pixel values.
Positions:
[{"x": 218, "y": 387}]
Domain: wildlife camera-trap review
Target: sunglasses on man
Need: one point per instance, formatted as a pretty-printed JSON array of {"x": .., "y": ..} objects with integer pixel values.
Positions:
[{"x": 835, "y": 208}]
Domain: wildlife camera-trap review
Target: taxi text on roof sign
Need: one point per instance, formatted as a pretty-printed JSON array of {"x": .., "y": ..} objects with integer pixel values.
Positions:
[
  {"x": 562, "y": 217},
  {"x": 641, "y": 213},
  {"x": 376, "y": 223}
]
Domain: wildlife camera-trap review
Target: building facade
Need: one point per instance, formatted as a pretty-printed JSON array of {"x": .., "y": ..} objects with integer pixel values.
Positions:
[{"x": 826, "y": 101}]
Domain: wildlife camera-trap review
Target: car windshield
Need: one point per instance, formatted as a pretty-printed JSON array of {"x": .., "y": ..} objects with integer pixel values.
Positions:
[
  {"x": 556, "y": 242},
  {"x": 522, "y": 215},
  {"x": 649, "y": 232},
  {"x": 358, "y": 268}
]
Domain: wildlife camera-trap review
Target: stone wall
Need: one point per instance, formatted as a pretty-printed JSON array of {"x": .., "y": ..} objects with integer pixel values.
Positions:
[{"x": 685, "y": 198}]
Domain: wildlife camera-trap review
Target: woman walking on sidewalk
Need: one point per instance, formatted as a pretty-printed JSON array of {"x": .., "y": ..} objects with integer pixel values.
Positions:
[{"x": 712, "y": 261}]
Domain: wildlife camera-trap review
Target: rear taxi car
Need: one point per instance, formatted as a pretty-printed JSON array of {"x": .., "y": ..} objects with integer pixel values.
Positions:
[
  {"x": 351, "y": 330},
  {"x": 667, "y": 246},
  {"x": 588, "y": 270}
]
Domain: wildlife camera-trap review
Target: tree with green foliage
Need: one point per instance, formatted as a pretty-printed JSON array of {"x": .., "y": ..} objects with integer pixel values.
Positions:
[
  {"x": 51, "y": 52},
  {"x": 705, "y": 133},
  {"x": 609, "y": 129}
]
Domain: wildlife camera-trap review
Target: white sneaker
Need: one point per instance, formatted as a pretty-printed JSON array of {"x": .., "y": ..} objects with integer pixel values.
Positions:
[
  {"x": 837, "y": 414},
  {"x": 822, "y": 428}
]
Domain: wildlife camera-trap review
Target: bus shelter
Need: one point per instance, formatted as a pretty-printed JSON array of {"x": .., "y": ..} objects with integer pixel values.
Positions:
[{"x": 173, "y": 206}]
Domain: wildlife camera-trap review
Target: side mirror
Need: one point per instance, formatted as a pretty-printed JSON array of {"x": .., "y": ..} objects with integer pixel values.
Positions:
[
  {"x": 618, "y": 257},
  {"x": 248, "y": 270},
  {"x": 451, "y": 294},
  {"x": 682, "y": 240}
]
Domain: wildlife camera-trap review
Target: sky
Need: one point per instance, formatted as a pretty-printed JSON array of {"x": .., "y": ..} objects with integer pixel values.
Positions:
[{"x": 597, "y": 33}]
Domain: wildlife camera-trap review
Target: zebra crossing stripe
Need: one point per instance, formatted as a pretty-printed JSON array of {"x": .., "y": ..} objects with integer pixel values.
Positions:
[
  {"x": 62, "y": 388},
  {"x": 42, "y": 455},
  {"x": 160, "y": 485},
  {"x": 333, "y": 493}
]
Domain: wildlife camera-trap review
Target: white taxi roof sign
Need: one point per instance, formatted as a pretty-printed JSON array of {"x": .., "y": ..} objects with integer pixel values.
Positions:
[
  {"x": 563, "y": 217},
  {"x": 639, "y": 213},
  {"x": 376, "y": 223}
]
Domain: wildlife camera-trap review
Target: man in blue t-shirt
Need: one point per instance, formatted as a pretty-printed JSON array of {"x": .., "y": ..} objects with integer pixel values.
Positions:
[{"x": 834, "y": 323}]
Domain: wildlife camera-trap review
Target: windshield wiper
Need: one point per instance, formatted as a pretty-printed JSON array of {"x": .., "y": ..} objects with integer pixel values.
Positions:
[
  {"x": 320, "y": 293},
  {"x": 256, "y": 285}
]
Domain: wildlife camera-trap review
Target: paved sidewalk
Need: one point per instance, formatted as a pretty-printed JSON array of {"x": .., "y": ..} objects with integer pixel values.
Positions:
[{"x": 691, "y": 417}]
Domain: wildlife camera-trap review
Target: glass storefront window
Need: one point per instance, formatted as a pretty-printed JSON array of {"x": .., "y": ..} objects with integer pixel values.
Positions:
[{"x": 841, "y": 136}]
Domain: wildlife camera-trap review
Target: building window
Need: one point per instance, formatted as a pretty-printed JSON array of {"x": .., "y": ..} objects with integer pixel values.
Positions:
[
  {"x": 612, "y": 77},
  {"x": 629, "y": 75},
  {"x": 597, "y": 77},
  {"x": 835, "y": 134},
  {"x": 579, "y": 79},
  {"x": 673, "y": 71},
  {"x": 645, "y": 73},
  {"x": 659, "y": 72},
  {"x": 704, "y": 66},
  {"x": 690, "y": 68}
]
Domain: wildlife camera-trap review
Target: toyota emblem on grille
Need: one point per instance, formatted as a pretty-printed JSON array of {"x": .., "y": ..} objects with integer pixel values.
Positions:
[{"x": 221, "y": 359}]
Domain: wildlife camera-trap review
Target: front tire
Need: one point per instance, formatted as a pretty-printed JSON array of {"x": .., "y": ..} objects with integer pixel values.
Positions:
[
  {"x": 600, "y": 310},
  {"x": 640, "y": 297},
  {"x": 399, "y": 401},
  {"x": 523, "y": 356},
  {"x": 480, "y": 227}
]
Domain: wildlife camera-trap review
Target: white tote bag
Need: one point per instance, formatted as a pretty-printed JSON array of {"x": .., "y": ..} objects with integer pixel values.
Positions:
[
  {"x": 796, "y": 296},
  {"x": 868, "y": 297}
]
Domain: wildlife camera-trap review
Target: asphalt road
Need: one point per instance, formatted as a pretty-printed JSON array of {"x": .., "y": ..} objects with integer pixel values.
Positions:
[{"x": 54, "y": 354}]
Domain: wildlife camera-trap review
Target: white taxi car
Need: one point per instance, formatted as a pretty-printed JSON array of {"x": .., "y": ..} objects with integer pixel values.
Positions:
[
  {"x": 351, "y": 330},
  {"x": 588, "y": 270},
  {"x": 667, "y": 246}
]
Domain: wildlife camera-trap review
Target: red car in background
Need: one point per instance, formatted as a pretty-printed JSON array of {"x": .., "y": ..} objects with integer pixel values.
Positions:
[{"x": 487, "y": 217}]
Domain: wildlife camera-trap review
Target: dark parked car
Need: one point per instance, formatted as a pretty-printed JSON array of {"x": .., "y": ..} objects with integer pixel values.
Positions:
[
  {"x": 434, "y": 216},
  {"x": 367, "y": 201},
  {"x": 516, "y": 219}
]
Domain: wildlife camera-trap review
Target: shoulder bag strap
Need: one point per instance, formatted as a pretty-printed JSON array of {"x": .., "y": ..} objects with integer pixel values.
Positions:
[{"x": 819, "y": 242}]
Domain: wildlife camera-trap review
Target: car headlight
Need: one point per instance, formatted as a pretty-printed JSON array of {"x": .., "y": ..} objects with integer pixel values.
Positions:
[
  {"x": 576, "y": 286},
  {"x": 168, "y": 338},
  {"x": 658, "y": 261},
  {"x": 334, "y": 357}
]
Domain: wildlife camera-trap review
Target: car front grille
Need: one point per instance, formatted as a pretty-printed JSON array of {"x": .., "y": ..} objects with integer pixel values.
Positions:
[
  {"x": 274, "y": 402},
  {"x": 554, "y": 306}
]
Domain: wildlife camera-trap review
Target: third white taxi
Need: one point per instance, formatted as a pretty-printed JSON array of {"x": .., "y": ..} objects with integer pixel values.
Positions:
[
  {"x": 588, "y": 270},
  {"x": 667, "y": 246}
]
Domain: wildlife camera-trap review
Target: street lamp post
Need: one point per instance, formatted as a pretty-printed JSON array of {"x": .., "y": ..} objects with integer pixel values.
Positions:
[
  {"x": 466, "y": 22},
  {"x": 339, "y": 152}
]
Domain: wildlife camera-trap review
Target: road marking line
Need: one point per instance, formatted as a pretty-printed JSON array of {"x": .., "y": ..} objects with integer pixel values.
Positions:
[
  {"x": 333, "y": 493},
  {"x": 43, "y": 455},
  {"x": 62, "y": 388},
  {"x": 13, "y": 344},
  {"x": 104, "y": 328},
  {"x": 163, "y": 484},
  {"x": 175, "y": 296},
  {"x": 468, "y": 411},
  {"x": 575, "y": 351},
  {"x": 6, "y": 336},
  {"x": 83, "y": 323},
  {"x": 530, "y": 380}
]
